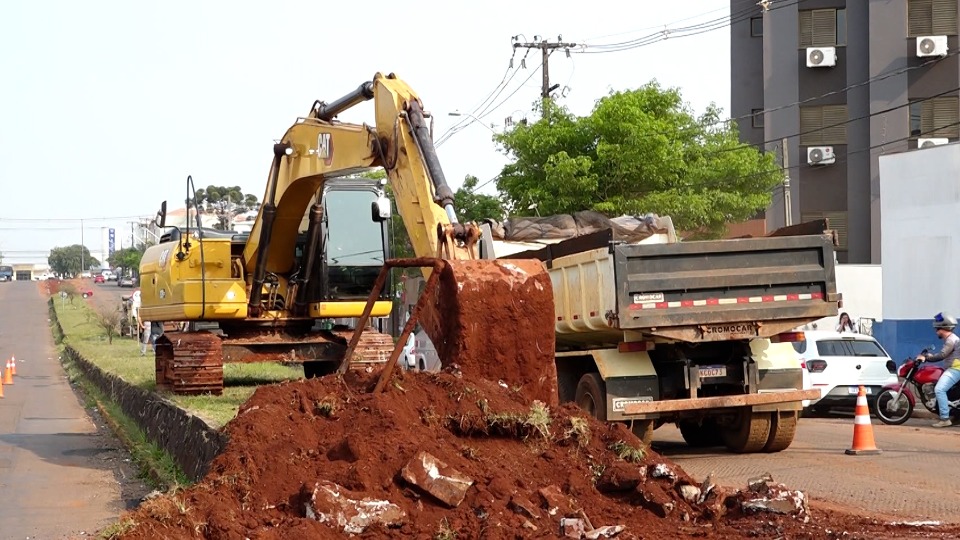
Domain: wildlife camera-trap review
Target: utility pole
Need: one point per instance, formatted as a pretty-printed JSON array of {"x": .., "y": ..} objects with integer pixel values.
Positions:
[
  {"x": 81, "y": 247},
  {"x": 546, "y": 48},
  {"x": 787, "y": 209}
]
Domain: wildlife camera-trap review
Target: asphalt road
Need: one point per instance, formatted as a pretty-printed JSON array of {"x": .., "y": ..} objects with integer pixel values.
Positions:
[
  {"x": 62, "y": 473},
  {"x": 914, "y": 478}
]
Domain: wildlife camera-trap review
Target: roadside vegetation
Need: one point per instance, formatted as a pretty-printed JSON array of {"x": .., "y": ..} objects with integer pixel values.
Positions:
[{"x": 85, "y": 329}]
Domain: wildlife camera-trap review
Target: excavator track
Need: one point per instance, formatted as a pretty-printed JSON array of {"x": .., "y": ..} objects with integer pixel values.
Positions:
[
  {"x": 190, "y": 363},
  {"x": 374, "y": 347}
]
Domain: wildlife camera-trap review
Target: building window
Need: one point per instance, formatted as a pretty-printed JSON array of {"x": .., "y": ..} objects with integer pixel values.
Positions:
[
  {"x": 837, "y": 221},
  {"x": 823, "y": 27},
  {"x": 932, "y": 17},
  {"x": 823, "y": 124},
  {"x": 756, "y": 26},
  {"x": 756, "y": 118},
  {"x": 937, "y": 117}
]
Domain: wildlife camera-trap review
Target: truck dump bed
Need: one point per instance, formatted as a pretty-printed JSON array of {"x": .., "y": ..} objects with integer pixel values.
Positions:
[{"x": 688, "y": 291}]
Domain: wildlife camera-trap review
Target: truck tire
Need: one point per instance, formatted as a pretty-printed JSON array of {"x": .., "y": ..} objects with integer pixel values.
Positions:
[
  {"x": 782, "y": 430},
  {"x": 591, "y": 396},
  {"x": 749, "y": 434},
  {"x": 702, "y": 434},
  {"x": 643, "y": 429}
]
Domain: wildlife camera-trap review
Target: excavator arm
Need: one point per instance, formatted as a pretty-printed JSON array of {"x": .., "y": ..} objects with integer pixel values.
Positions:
[
  {"x": 318, "y": 147},
  {"x": 266, "y": 291}
]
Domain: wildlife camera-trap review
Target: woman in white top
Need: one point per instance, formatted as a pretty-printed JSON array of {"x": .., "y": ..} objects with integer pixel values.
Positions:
[{"x": 845, "y": 324}]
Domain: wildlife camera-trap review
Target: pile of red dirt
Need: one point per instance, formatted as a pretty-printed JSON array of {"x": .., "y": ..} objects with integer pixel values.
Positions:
[
  {"x": 494, "y": 320},
  {"x": 443, "y": 456}
]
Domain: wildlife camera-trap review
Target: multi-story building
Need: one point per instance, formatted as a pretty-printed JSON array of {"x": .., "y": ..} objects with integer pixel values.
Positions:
[{"x": 841, "y": 82}]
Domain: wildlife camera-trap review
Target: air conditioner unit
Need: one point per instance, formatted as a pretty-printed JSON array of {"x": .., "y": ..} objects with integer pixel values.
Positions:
[
  {"x": 932, "y": 46},
  {"x": 934, "y": 141},
  {"x": 821, "y": 56},
  {"x": 820, "y": 155}
]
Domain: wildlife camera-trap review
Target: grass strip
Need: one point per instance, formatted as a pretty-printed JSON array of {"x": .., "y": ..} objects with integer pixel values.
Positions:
[{"x": 122, "y": 358}]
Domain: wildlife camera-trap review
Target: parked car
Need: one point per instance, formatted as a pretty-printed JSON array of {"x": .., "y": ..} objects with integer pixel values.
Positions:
[{"x": 839, "y": 363}]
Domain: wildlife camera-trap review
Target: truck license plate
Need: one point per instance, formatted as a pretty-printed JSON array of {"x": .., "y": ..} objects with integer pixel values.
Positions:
[
  {"x": 856, "y": 389},
  {"x": 713, "y": 371}
]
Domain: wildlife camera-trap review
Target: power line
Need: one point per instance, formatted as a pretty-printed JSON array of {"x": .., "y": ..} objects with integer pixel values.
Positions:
[
  {"x": 676, "y": 33},
  {"x": 75, "y": 219},
  {"x": 875, "y": 78},
  {"x": 493, "y": 93},
  {"x": 627, "y": 32},
  {"x": 763, "y": 144},
  {"x": 720, "y": 181}
]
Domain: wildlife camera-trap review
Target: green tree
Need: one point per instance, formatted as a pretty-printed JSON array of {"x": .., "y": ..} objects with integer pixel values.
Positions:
[
  {"x": 66, "y": 261},
  {"x": 225, "y": 202},
  {"x": 473, "y": 206},
  {"x": 638, "y": 151},
  {"x": 128, "y": 258}
]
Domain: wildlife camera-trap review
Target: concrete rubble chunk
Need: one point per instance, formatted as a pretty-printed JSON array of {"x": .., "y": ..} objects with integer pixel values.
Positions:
[
  {"x": 330, "y": 504},
  {"x": 655, "y": 499},
  {"x": 435, "y": 477},
  {"x": 689, "y": 493},
  {"x": 759, "y": 484},
  {"x": 662, "y": 470},
  {"x": 607, "y": 531},
  {"x": 521, "y": 505},
  {"x": 555, "y": 501},
  {"x": 775, "y": 498},
  {"x": 572, "y": 528}
]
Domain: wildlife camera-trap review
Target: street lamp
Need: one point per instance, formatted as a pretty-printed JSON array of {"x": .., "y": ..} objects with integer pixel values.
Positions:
[{"x": 457, "y": 113}]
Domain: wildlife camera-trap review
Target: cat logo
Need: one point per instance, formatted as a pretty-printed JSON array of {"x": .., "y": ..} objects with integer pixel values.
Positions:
[{"x": 325, "y": 148}]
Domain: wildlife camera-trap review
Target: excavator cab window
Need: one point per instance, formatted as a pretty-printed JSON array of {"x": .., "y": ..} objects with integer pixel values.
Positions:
[{"x": 354, "y": 246}]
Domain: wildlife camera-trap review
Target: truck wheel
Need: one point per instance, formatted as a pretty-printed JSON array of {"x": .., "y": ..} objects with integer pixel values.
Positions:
[
  {"x": 591, "y": 396},
  {"x": 700, "y": 434},
  {"x": 643, "y": 429},
  {"x": 782, "y": 430},
  {"x": 749, "y": 434}
]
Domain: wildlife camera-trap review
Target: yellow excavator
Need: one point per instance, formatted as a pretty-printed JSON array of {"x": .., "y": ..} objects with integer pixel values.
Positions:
[{"x": 283, "y": 291}]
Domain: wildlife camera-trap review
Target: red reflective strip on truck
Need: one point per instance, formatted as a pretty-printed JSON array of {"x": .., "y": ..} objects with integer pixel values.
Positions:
[{"x": 736, "y": 300}]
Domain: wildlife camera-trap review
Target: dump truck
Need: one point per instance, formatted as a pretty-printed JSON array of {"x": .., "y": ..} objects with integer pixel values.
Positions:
[{"x": 651, "y": 330}]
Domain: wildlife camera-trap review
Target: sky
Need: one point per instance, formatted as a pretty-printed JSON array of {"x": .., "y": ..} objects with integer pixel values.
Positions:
[{"x": 109, "y": 105}]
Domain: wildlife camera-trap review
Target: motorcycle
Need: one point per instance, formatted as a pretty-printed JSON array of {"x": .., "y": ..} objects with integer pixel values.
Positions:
[{"x": 896, "y": 402}]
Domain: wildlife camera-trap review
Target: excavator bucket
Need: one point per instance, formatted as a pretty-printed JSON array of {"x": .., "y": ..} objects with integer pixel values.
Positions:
[
  {"x": 495, "y": 319},
  {"x": 491, "y": 319}
]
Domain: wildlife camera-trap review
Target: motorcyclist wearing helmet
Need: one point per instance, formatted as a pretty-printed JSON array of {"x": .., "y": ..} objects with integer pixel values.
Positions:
[{"x": 944, "y": 325}]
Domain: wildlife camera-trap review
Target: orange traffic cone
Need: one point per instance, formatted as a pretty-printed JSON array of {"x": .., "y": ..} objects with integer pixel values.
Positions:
[
  {"x": 1, "y": 389},
  {"x": 13, "y": 364},
  {"x": 8, "y": 374},
  {"x": 863, "y": 442}
]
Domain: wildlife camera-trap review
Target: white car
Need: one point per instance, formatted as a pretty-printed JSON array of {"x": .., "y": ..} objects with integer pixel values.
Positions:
[{"x": 839, "y": 363}]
